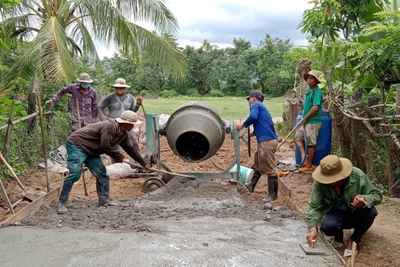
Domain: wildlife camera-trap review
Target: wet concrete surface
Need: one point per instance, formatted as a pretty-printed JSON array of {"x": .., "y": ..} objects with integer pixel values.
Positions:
[
  {"x": 203, "y": 241},
  {"x": 186, "y": 223}
]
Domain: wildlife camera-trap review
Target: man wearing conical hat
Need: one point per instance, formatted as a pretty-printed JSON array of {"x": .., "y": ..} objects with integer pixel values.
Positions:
[
  {"x": 82, "y": 95},
  {"x": 342, "y": 197}
]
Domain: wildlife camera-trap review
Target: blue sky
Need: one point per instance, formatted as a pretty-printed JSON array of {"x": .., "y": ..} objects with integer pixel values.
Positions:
[{"x": 219, "y": 21}]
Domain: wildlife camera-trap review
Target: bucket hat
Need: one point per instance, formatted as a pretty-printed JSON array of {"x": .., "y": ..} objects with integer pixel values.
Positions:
[
  {"x": 84, "y": 78},
  {"x": 332, "y": 169},
  {"x": 257, "y": 94},
  {"x": 120, "y": 83},
  {"x": 130, "y": 117},
  {"x": 313, "y": 73}
]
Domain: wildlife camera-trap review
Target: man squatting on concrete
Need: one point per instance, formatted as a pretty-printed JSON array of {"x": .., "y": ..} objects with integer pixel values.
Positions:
[
  {"x": 264, "y": 158},
  {"x": 87, "y": 99},
  {"x": 311, "y": 121},
  {"x": 118, "y": 102},
  {"x": 344, "y": 198},
  {"x": 88, "y": 143}
]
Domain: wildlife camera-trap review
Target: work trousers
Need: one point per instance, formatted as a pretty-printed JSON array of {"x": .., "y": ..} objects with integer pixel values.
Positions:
[
  {"x": 361, "y": 220},
  {"x": 75, "y": 160}
]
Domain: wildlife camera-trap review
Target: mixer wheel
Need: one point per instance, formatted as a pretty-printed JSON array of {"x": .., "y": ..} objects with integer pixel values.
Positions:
[{"x": 152, "y": 184}]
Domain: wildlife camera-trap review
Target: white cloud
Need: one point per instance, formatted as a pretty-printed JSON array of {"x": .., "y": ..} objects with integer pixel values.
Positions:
[{"x": 219, "y": 21}]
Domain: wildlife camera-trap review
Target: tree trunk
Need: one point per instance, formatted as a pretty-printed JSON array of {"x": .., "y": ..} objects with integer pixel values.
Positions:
[{"x": 33, "y": 93}]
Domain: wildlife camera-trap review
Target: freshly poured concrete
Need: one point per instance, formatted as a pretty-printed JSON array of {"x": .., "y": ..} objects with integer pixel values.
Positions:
[{"x": 202, "y": 241}]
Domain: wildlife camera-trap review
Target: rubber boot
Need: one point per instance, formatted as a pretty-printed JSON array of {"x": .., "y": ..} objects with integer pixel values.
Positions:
[
  {"x": 103, "y": 187},
  {"x": 253, "y": 181},
  {"x": 67, "y": 186},
  {"x": 272, "y": 189}
]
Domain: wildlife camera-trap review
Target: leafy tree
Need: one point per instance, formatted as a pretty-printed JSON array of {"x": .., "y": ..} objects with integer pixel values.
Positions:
[
  {"x": 62, "y": 29},
  {"x": 271, "y": 60}
]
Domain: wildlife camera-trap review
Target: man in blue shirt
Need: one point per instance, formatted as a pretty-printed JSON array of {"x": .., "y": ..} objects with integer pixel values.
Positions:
[{"x": 264, "y": 158}]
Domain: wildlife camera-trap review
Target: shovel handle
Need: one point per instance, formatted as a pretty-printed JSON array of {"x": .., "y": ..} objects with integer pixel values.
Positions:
[
  {"x": 290, "y": 133},
  {"x": 160, "y": 171}
]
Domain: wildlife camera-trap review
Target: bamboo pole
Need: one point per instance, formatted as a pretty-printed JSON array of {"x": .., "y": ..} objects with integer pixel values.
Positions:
[
  {"x": 12, "y": 173},
  {"x": 20, "y": 120},
  {"x": 79, "y": 126},
  {"x": 43, "y": 143},
  {"x": 6, "y": 197}
]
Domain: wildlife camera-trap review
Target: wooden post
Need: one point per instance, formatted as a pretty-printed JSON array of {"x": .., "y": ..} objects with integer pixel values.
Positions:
[
  {"x": 6, "y": 147},
  {"x": 6, "y": 196},
  {"x": 398, "y": 98},
  {"x": 43, "y": 143},
  {"x": 78, "y": 113}
]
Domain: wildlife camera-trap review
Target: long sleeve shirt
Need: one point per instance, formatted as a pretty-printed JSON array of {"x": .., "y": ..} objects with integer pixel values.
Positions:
[
  {"x": 323, "y": 196},
  {"x": 116, "y": 105},
  {"x": 261, "y": 119},
  {"x": 105, "y": 137},
  {"x": 87, "y": 101}
]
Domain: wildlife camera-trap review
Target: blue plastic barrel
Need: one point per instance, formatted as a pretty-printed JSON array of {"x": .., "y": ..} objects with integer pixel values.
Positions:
[{"x": 324, "y": 139}]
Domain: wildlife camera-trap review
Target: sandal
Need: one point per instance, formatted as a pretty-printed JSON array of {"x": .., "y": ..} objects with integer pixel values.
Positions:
[{"x": 305, "y": 169}]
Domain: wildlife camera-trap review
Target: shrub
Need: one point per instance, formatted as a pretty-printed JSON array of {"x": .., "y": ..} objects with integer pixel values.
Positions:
[
  {"x": 216, "y": 93},
  {"x": 193, "y": 92},
  {"x": 169, "y": 93}
]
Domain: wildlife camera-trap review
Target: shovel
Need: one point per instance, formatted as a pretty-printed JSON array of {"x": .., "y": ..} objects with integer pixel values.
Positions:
[{"x": 160, "y": 171}]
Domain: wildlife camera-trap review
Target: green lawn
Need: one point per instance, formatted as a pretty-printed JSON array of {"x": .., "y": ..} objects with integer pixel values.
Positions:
[{"x": 227, "y": 107}]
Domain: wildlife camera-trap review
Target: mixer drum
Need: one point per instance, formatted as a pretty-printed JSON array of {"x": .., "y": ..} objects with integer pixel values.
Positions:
[{"x": 195, "y": 131}]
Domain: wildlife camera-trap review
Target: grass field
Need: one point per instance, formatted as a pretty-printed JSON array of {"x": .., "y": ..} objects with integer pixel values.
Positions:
[{"x": 227, "y": 107}]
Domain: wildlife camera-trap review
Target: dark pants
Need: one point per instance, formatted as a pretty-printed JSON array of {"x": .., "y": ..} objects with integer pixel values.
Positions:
[{"x": 361, "y": 220}]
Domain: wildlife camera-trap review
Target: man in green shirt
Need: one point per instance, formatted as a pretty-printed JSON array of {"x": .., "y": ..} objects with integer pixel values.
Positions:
[
  {"x": 311, "y": 121},
  {"x": 342, "y": 197}
]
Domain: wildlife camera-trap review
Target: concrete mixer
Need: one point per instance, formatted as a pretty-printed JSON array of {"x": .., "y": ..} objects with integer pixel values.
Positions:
[{"x": 195, "y": 132}]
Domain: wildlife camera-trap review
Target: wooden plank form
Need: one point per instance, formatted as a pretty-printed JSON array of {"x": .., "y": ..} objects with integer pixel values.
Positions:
[{"x": 32, "y": 208}]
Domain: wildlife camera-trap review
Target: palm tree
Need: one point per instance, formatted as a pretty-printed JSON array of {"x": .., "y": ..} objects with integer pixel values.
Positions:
[{"x": 59, "y": 30}]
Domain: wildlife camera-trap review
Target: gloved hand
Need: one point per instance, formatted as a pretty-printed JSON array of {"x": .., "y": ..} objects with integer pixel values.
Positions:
[{"x": 48, "y": 102}]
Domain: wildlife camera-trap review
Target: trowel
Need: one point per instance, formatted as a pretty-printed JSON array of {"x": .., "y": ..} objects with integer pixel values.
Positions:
[{"x": 311, "y": 250}]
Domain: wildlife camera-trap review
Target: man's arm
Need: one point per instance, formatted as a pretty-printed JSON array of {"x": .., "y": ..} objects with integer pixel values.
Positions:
[
  {"x": 106, "y": 137},
  {"x": 371, "y": 194},
  {"x": 59, "y": 94},
  {"x": 95, "y": 110},
  {"x": 314, "y": 206},
  {"x": 129, "y": 148}
]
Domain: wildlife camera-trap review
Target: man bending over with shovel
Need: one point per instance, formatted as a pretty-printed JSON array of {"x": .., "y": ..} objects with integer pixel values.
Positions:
[
  {"x": 85, "y": 147},
  {"x": 342, "y": 197}
]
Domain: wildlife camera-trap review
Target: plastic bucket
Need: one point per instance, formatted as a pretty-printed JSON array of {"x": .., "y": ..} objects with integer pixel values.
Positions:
[{"x": 245, "y": 174}]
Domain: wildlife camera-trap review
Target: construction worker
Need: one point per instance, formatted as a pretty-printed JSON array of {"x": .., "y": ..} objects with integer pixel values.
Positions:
[
  {"x": 311, "y": 122},
  {"x": 343, "y": 198},
  {"x": 85, "y": 96},
  {"x": 118, "y": 102},
  {"x": 264, "y": 158},
  {"x": 87, "y": 144}
]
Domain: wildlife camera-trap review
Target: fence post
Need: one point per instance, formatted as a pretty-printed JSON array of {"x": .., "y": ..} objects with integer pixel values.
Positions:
[{"x": 6, "y": 147}]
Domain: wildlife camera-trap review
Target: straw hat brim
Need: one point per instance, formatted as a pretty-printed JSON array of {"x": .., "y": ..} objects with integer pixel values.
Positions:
[
  {"x": 305, "y": 76},
  {"x": 120, "y": 86},
  {"x": 329, "y": 179},
  {"x": 84, "y": 81},
  {"x": 119, "y": 120}
]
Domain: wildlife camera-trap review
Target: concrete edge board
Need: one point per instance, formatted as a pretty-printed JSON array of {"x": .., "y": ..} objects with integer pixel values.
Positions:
[{"x": 32, "y": 208}]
